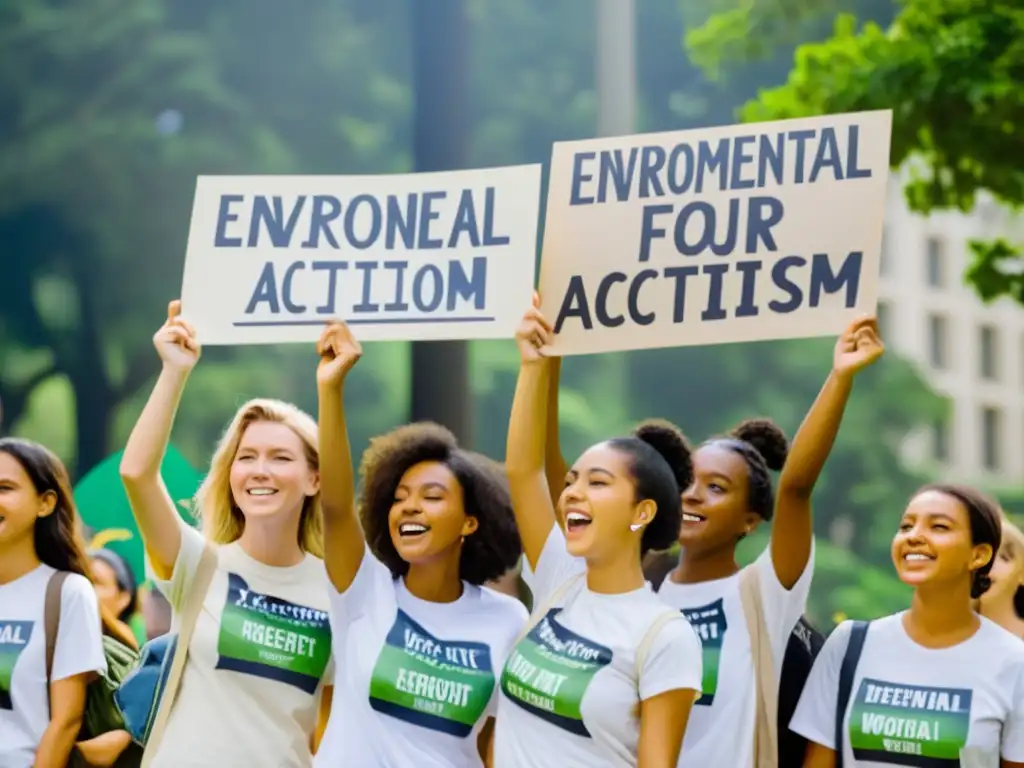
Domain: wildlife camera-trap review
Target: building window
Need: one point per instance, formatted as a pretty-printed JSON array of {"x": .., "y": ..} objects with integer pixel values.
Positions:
[
  {"x": 935, "y": 256},
  {"x": 940, "y": 440},
  {"x": 991, "y": 438},
  {"x": 988, "y": 352},
  {"x": 938, "y": 341}
]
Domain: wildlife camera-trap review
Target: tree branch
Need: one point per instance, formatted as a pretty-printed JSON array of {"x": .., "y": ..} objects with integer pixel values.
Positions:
[{"x": 14, "y": 398}]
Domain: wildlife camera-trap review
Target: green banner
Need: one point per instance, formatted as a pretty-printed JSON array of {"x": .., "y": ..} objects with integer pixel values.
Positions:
[{"x": 104, "y": 507}]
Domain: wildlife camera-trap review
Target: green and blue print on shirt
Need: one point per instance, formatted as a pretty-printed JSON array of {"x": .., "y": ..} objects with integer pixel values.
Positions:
[
  {"x": 909, "y": 725},
  {"x": 14, "y": 636},
  {"x": 549, "y": 671},
  {"x": 267, "y": 637},
  {"x": 443, "y": 685},
  {"x": 709, "y": 623}
]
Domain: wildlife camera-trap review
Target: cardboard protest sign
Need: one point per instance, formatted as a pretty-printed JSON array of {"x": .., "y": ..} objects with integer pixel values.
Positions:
[
  {"x": 399, "y": 257},
  {"x": 740, "y": 233}
]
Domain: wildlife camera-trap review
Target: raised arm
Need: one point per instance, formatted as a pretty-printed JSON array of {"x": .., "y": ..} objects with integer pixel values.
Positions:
[
  {"x": 792, "y": 530},
  {"x": 554, "y": 462},
  {"x": 524, "y": 455},
  {"x": 151, "y": 504},
  {"x": 344, "y": 545}
]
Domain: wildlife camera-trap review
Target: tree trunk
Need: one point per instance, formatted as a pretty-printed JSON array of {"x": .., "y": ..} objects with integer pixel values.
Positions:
[{"x": 440, "y": 369}]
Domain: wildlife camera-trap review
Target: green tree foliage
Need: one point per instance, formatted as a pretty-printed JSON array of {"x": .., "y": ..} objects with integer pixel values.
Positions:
[{"x": 951, "y": 72}]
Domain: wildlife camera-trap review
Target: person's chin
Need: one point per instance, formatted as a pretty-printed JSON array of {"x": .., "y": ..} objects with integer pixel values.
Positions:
[{"x": 261, "y": 511}]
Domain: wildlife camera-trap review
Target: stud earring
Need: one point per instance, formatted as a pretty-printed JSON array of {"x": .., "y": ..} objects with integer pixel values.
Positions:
[{"x": 636, "y": 527}]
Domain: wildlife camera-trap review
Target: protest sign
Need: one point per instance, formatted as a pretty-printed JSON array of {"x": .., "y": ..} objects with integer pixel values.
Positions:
[
  {"x": 399, "y": 257},
  {"x": 739, "y": 233}
]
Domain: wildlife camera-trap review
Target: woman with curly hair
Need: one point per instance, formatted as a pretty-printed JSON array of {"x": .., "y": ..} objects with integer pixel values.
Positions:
[
  {"x": 255, "y": 689},
  {"x": 418, "y": 637},
  {"x": 935, "y": 685},
  {"x": 730, "y": 496},
  {"x": 606, "y": 674}
]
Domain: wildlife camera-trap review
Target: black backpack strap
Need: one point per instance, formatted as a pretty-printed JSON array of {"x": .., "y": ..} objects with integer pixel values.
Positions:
[{"x": 858, "y": 633}]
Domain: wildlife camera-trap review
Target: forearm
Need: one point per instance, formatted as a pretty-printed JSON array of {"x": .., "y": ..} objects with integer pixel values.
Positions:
[
  {"x": 816, "y": 436},
  {"x": 58, "y": 740},
  {"x": 144, "y": 452}
]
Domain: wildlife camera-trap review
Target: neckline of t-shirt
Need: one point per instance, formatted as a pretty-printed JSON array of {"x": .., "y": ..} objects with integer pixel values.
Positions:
[
  {"x": 898, "y": 617},
  {"x": 616, "y": 597},
  {"x": 468, "y": 596},
  {"x": 28, "y": 575},
  {"x": 279, "y": 573},
  {"x": 711, "y": 585}
]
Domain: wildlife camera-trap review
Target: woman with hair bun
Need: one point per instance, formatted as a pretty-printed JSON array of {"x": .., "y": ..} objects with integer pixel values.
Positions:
[
  {"x": 936, "y": 685},
  {"x": 420, "y": 639},
  {"x": 605, "y": 674},
  {"x": 730, "y": 496}
]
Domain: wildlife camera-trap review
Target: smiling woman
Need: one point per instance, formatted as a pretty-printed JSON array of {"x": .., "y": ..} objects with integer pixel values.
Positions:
[
  {"x": 259, "y": 662},
  {"x": 938, "y": 682},
  {"x": 418, "y": 637}
]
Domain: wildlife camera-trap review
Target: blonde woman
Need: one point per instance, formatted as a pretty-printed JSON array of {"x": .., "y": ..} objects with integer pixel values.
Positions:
[
  {"x": 1003, "y": 602},
  {"x": 259, "y": 658}
]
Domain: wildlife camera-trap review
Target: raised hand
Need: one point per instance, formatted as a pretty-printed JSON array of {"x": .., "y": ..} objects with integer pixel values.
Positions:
[
  {"x": 858, "y": 346},
  {"x": 175, "y": 342},
  {"x": 339, "y": 351},
  {"x": 533, "y": 333}
]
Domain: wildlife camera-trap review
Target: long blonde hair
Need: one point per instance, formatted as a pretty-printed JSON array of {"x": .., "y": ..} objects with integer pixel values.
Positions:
[{"x": 222, "y": 521}]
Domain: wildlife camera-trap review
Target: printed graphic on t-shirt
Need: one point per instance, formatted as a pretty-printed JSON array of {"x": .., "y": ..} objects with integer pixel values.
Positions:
[
  {"x": 710, "y": 625},
  {"x": 909, "y": 725},
  {"x": 14, "y": 636},
  {"x": 443, "y": 685},
  {"x": 548, "y": 672},
  {"x": 268, "y": 637}
]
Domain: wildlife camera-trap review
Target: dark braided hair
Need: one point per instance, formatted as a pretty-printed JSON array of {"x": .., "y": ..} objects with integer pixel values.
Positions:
[
  {"x": 986, "y": 525},
  {"x": 764, "y": 447}
]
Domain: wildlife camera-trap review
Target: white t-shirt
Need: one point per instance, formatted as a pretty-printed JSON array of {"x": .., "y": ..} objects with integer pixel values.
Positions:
[
  {"x": 569, "y": 690},
  {"x": 916, "y": 706},
  {"x": 259, "y": 657},
  {"x": 416, "y": 680},
  {"x": 727, "y": 706},
  {"x": 24, "y": 698}
]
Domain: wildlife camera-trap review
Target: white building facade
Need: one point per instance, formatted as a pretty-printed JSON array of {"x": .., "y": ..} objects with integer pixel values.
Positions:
[{"x": 968, "y": 351}]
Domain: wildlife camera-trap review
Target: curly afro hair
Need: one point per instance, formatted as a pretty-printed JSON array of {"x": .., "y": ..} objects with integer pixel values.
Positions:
[
  {"x": 493, "y": 548},
  {"x": 660, "y": 462},
  {"x": 763, "y": 445}
]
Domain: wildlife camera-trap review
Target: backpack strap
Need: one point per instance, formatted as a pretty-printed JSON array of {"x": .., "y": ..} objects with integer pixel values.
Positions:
[
  {"x": 644, "y": 649},
  {"x": 191, "y": 607},
  {"x": 766, "y": 719},
  {"x": 51, "y": 622},
  {"x": 858, "y": 633},
  {"x": 552, "y": 600}
]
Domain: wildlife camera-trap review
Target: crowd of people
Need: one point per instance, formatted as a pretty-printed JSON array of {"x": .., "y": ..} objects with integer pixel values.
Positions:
[{"x": 357, "y": 619}]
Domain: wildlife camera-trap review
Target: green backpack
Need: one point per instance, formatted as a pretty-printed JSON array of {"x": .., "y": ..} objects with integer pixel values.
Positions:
[{"x": 101, "y": 712}]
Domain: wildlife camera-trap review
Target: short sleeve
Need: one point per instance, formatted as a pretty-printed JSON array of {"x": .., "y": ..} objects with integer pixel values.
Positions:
[
  {"x": 782, "y": 607},
  {"x": 815, "y": 715},
  {"x": 1012, "y": 747},
  {"x": 185, "y": 566},
  {"x": 369, "y": 589},
  {"x": 554, "y": 567},
  {"x": 79, "y": 647},
  {"x": 674, "y": 661}
]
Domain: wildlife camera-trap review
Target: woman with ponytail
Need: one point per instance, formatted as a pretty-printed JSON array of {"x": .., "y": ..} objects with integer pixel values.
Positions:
[
  {"x": 935, "y": 685},
  {"x": 41, "y": 711},
  {"x": 604, "y": 674}
]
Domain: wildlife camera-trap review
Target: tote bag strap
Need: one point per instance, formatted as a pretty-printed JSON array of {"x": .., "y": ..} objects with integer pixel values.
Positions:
[
  {"x": 552, "y": 600},
  {"x": 766, "y": 729},
  {"x": 190, "y": 610}
]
